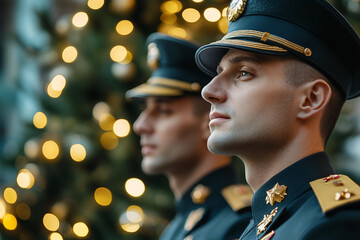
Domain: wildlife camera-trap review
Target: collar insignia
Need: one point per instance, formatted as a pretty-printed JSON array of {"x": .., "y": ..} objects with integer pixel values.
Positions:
[
  {"x": 200, "y": 194},
  {"x": 266, "y": 221},
  {"x": 235, "y": 9},
  {"x": 193, "y": 218},
  {"x": 276, "y": 194},
  {"x": 153, "y": 56}
]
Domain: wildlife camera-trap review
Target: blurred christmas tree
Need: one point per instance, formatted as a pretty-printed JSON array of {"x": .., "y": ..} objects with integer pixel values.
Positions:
[{"x": 70, "y": 163}]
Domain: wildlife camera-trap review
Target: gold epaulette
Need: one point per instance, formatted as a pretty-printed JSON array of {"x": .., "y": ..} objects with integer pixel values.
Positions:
[
  {"x": 238, "y": 196},
  {"x": 335, "y": 191}
]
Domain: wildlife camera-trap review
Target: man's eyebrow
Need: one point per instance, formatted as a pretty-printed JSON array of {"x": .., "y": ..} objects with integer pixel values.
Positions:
[{"x": 238, "y": 59}]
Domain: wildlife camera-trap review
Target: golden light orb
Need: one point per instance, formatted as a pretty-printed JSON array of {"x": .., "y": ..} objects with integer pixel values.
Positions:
[
  {"x": 118, "y": 53},
  {"x": 121, "y": 127},
  {"x": 109, "y": 140},
  {"x": 172, "y": 6},
  {"x": 177, "y": 32},
  {"x": 58, "y": 83},
  {"x": 100, "y": 109},
  {"x": 135, "y": 214},
  {"x": 103, "y": 196},
  {"x": 2, "y": 209},
  {"x": 80, "y": 229},
  {"x": 10, "y": 195},
  {"x": 39, "y": 120},
  {"x": 212, "y": 14},
  {"x": 168, "y": 18},
  {"x": 223, "y": 25},
  {"x": 51, "y": 222},
  {"x": 191, "y": 15},
  {"x": 95, "y": 4},
  {"x": 69, "y": 54},
  {"x": 77, "y": 152},
  {"x": 51, "y": 92},
  {"x": 124, "y": 27},
  {"x": 55, "y": 236},
  {"x": 50, "y": 149},
  {"x": 135, "y": 187},
  {"x": 106, "y": 121},
  {"x": 80, "y": 19},
  {"x": 25, "y": 179},
  {"x": 9, "y": 222}
]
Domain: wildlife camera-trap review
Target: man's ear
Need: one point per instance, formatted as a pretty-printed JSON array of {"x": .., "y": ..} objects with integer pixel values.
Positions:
[{"x": 315, "y": 96}]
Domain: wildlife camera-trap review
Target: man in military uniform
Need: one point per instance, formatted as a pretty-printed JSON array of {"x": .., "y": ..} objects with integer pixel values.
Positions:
[
  {"x": 281, "y": 75},
  {"x": 174, "y": 129}
]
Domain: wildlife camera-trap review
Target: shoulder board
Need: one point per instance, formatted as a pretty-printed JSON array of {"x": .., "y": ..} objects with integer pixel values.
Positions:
[
  {"x": 238, "y": 196},
  {"x": 335, "y": 191}
]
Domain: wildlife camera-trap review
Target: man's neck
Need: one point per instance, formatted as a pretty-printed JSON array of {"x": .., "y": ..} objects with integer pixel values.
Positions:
[
  {"x": 182, "y": 181},
  {"x": 261, "y": 165}
]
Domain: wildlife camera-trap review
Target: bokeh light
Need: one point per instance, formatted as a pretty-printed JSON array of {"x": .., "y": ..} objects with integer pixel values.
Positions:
[
  {"x": 32, "y": 148},
  {"x": 9, "y": 222},
  {"x": 212, "y": 14},
  {"x": 95, "y": 4},
  {"x": 77, "y": 152},
  {"x": 10, "y": 195},
  {"x": 121, "y": 127},
  {"x": 223, "y": 25},
  {"x": 51, "y": 92},
  {"x": 197, "y": 1},
  {"x": 2, "y": 209},
  {"x": 177, "y": 32},
  {"x": 109, "y": 140},
  {"x": 224, "y": 12},
  {"x": 69, "y": 54},
  {"x": 80, "y": 19},
  {"x": 58, "y": 83},
  {"x": 106, "y": 122},
  {"x": 103, "y": 196},
  {"x": 168, "y": 18},
  {"x": 23, "y": 211},
  {"x": 118, "y": 53},
  {"x": 51, "y": 222},
  {"x": 191, "y": 15},
  {"x": 25, "y": 179},
  {"x": 100, "y": 109},
  {"x": 124, "y": 27},
  {"x": 55, "y": 236},
  {"x": 50, "y": 150},
  {"x": 39, "y": 120},
  {"x": 80, "y": 229},
  {"x": 172, "y": 6},
  {"x": 135, "y": 214},
  {"x": 135, "y": 187}
]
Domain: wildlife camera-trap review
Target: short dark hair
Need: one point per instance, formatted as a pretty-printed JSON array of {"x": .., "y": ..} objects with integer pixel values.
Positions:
[{"x": 298, "y": 73}]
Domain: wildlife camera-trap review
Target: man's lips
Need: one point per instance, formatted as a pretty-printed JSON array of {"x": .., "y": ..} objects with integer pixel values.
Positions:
[
  {"x": 216, "y": 117},
  {"x": 147, "y": 149}
]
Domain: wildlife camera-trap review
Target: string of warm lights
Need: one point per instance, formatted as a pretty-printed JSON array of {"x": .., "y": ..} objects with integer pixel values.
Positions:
[{"x": 113, "y": 129}]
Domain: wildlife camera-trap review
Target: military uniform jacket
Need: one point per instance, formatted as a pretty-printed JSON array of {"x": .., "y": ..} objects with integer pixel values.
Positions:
[
  {"x": 211, "y": 218},
  {"x": 310, "y": 202}
]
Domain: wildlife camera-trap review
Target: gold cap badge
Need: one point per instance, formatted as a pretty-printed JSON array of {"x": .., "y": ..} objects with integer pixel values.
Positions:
[
  {"x": 235, "y": 9},
  {"x": 153, "y": 56},
  {"x": 276, "y": 194},
  {"x": 200, "y": 194}
]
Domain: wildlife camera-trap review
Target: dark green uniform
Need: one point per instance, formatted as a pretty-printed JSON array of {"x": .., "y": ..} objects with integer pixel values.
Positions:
[
  {"x": 214, "y": 218},
  {"x": 298, "y": 214}
]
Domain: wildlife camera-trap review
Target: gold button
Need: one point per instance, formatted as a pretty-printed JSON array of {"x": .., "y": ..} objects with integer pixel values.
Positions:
[{"x": 307, "y": 52}]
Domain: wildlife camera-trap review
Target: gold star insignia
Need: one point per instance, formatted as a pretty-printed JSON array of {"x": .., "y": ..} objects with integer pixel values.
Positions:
[
  {"x": 153, "y": 56},
  {"x": 346, "y": 194},
  {"x": 266, "y": 221},
  {"x": 276, "y": 194},
  {"x": 235, "y": 9}
]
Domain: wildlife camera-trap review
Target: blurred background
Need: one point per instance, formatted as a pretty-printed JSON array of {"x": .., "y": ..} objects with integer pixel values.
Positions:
[{"x": 69, "y": 160}]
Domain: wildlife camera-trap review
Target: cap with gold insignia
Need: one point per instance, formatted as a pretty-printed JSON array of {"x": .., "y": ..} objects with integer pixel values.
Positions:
[
  {"x": 175, "y": 72},
  {"x": 312, "y": 30}
]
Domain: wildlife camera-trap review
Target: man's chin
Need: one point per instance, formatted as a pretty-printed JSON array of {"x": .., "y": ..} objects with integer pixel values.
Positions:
[{"x": 149, "y": 167}]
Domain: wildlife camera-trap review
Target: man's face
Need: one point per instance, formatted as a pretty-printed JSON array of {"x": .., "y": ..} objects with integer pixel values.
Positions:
[
  {"x": 252, "y": 105},
  {"x": 172, "y": 138}
]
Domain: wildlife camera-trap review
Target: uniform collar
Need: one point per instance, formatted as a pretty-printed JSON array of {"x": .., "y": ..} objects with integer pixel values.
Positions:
[
  {"x": 216, "y": 181},
  {"x": 296, "y": 177}
]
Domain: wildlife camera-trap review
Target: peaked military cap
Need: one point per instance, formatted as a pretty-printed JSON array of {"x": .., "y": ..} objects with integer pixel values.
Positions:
[
  {"x": 175, "y": 72},
  {"x": 312, "y": 30}
]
